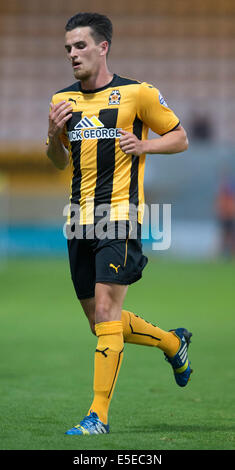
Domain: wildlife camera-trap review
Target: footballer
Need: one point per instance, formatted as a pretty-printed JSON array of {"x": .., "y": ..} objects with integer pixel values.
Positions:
[{"x": 100, "y": 124}]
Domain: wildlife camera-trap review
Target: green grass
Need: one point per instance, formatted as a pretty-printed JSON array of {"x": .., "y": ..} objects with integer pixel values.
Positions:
[{"x": 46, "y": 365}]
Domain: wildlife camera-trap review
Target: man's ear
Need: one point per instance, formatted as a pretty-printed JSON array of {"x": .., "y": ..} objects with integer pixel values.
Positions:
[{"x": 104, "y": 47}]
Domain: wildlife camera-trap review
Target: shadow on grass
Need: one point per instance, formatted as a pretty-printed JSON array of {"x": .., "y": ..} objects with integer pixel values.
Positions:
[{"x": 180, "y": 428}]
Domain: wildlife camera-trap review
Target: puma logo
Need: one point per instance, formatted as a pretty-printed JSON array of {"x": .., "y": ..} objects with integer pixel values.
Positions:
[
  {"x": 71, "y": 99},
  {"x": 102, "y": 352},
  {"x": 114, "y": 267}
]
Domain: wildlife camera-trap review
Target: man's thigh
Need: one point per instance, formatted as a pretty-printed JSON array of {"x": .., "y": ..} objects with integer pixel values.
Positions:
[
  {"x": 82, "y": 267},
  {"x": 119, "y": 261}
]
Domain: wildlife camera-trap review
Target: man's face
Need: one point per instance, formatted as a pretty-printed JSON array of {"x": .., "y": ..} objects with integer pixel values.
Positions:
[{"x": 83, "y": 52}]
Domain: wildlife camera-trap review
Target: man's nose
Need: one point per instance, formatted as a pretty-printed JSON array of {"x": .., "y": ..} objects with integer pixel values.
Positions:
[{"x": 73, "y": 52}]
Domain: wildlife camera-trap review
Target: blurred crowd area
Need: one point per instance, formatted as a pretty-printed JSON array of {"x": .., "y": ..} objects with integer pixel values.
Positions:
[{"x": 184, "y": 48}]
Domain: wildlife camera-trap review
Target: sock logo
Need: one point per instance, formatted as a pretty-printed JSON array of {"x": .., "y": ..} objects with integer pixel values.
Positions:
[
  {"x": 114, "y": 267},
  {"x": 102, "y": 352}
]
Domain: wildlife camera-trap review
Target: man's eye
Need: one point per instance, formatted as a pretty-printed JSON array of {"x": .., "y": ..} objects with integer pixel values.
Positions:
[{"x": 81, "y": 45}]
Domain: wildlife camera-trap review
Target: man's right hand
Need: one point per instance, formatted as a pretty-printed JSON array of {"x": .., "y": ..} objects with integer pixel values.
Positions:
[{"x": 59, "y": 114}]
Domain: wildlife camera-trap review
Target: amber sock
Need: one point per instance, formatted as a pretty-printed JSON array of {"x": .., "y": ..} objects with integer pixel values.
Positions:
[
  {"x": 136, "y": 330},
  {"x": 108, "y": 359}
]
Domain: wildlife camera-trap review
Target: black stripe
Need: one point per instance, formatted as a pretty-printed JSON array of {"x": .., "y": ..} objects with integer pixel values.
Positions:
[
  {"x": 142, "y": 334},
  {"x": 105, "y": 159},
  {"x": 76, "y": 156},
  {"x": 133, "y": 190},
  {"x": 173, "y": 129},
  {"x": 116, "y": 371}
]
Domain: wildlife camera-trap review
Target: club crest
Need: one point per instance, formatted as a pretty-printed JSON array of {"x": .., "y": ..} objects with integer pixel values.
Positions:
[{"x": 114, "y": 97}]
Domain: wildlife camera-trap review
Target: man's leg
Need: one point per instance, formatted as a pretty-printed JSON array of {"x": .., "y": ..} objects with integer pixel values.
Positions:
[
  {"x": 108, "y": 355},
  {"x": 136, "y": 330},
  {"x": 88, "y": 306},
  {"x": 109, "y": 352},
  {"x": 174, "y": 344}
]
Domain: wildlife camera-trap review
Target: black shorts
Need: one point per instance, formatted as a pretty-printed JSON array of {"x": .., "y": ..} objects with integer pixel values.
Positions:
[{"x": 116, "y": 260}]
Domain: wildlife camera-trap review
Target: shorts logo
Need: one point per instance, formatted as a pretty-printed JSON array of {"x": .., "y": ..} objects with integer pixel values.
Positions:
[
  {"x": 114, "y": 97},
  {"x": 114, "y": 267},
  {"x": 92, "y": 128}
]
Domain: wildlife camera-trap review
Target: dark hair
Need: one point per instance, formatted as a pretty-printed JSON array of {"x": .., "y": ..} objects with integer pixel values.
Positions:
[{"x": 101, "y": 26}]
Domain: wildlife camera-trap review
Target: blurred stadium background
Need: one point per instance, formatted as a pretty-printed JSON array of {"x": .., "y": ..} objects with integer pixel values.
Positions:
[{"x": 186, "y": 49}]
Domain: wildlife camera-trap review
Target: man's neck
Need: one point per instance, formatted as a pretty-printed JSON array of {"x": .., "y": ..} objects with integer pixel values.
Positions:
[{"x": 98, "y": 81}]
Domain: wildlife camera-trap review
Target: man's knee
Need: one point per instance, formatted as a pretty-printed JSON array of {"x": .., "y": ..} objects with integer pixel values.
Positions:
[
  {"x": 88, "y": 306},
  {"x": 103, "y": 312},
  {"x": 108, "y": 302}
]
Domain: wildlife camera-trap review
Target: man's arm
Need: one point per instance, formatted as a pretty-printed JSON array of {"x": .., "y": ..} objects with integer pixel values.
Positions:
[
  {"x": 56, "y": 151},
  {"x": 173, "y": 142}
]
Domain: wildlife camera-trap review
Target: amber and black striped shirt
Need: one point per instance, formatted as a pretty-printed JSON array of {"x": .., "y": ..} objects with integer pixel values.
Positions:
[{"x": 102, "y": 172}]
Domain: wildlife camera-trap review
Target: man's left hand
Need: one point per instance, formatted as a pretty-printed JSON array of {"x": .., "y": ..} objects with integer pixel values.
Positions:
[{"x": 130, "y": 144}]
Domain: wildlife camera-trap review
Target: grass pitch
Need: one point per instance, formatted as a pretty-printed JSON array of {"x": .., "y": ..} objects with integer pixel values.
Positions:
[{"x": 47, "y": 355}]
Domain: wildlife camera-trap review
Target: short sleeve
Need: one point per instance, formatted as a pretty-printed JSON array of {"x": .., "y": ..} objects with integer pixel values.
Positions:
[{"x": 154, "y": 111}]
